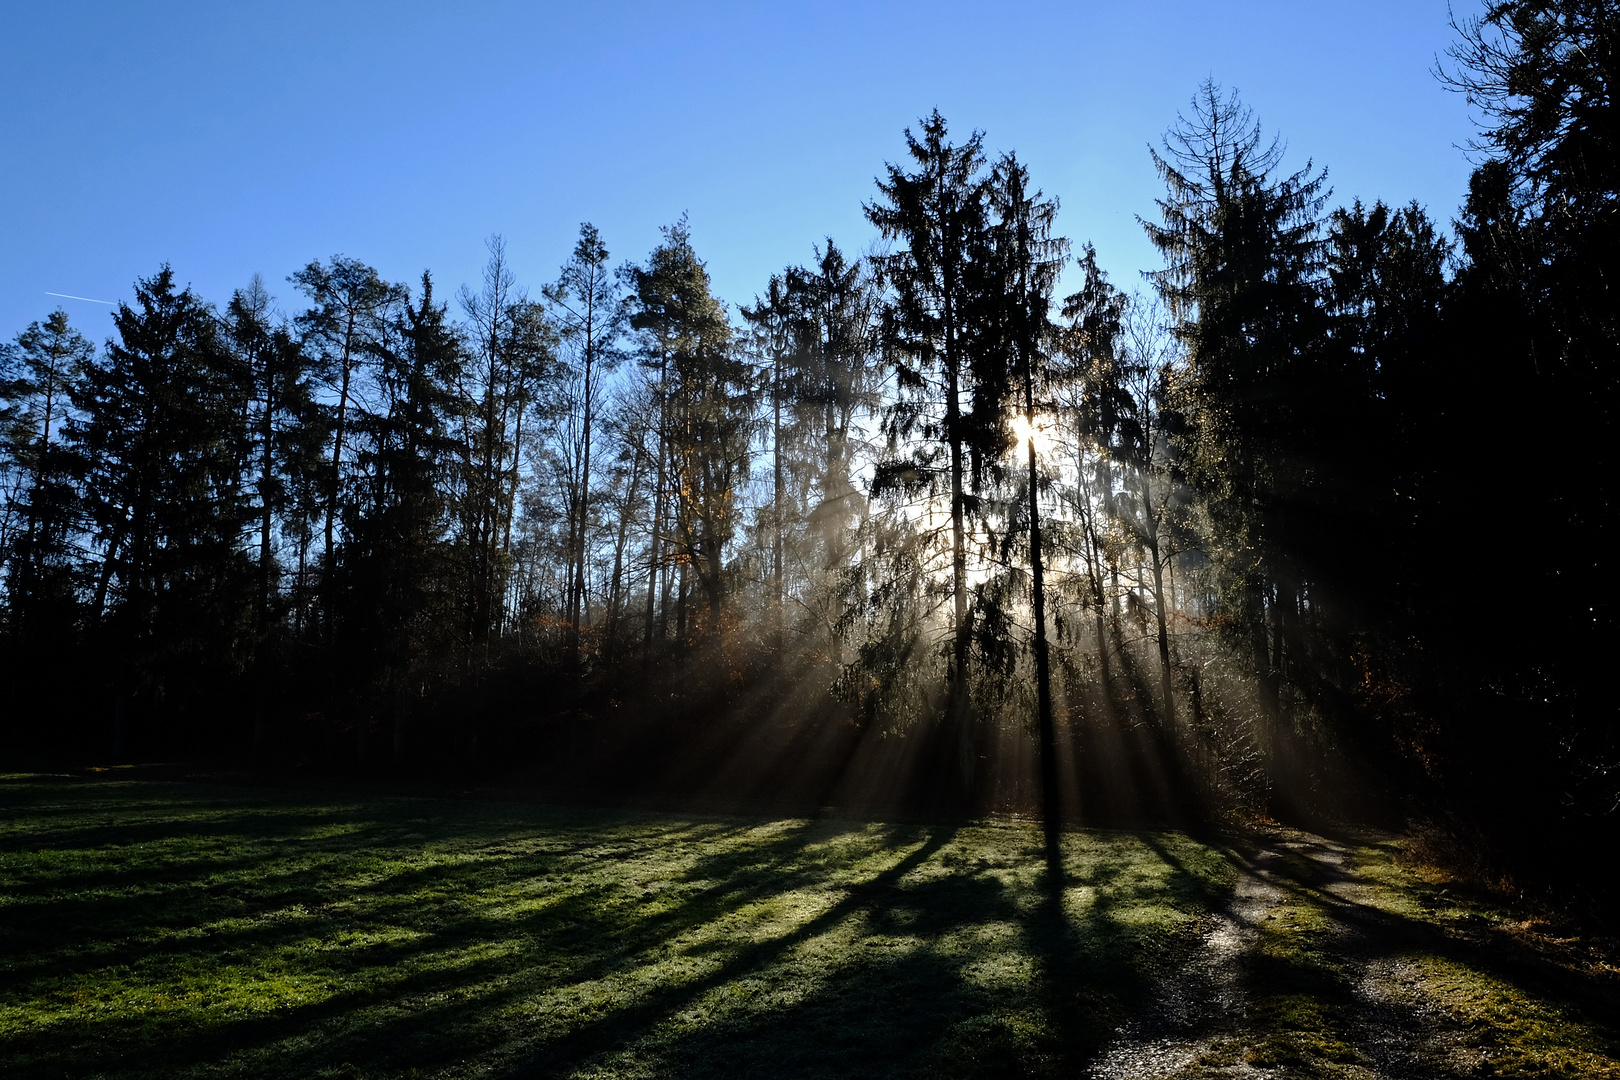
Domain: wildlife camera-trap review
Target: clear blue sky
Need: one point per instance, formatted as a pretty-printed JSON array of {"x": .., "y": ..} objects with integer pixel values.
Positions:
[{"x": 232, "y": 138}]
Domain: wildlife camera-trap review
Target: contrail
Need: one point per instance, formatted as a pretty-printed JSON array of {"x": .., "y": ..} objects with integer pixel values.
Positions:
[{"x": 68, "y": 296}]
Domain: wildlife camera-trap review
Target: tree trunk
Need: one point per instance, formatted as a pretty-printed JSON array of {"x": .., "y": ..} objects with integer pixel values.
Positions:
[
  {"x": 960, "y": 705},
  {"x": 266, "y": 510},
  {"x": 1150, "y": 519},
  {"x": 776, "y": 494},
  {"x": 1051, "y": 809},
  {"x": 1099, "y": 599},
  {"x": 583, "y": 502},
  {"x": 680, "y": 604},
  {"x": 616, "y": 590},
  {"x": 338, "y": 432},
  {"x": 1164, "y": 635},
  {"x": 656, "y": 572}
]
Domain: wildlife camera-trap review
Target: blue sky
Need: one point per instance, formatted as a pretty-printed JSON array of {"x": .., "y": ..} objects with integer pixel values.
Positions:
[{"x": 232, "y": 138}]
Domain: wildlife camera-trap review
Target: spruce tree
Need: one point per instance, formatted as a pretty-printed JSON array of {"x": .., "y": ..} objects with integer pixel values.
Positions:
[
  {"x": 817, "y": 328},
  {"x": 1027, "y": 259},
  {"x": 1244, "y": 253},
  {"x": 399, "y": 610},
  {"x": 39, "y": 555},
  {"x": 164, "y": 438},
  {"x": 706, "y": 399},
  {"x": 283, "y": 424},
  {"x": 937, "y": 215}
]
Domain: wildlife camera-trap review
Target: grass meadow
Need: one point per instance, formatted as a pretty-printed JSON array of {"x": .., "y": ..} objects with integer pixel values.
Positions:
[
  {"x": 196, "y": 928},
  {"x": 189, "y": 929}
]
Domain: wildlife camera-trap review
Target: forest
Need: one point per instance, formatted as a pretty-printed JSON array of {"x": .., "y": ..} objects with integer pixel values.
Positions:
[{"x": 1275, "y": 534}]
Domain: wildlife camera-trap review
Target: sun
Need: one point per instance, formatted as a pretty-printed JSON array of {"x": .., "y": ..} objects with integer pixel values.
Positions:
[{"x": 1041, "y": 433}]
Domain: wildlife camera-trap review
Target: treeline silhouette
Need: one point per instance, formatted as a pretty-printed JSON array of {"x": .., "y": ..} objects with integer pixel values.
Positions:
[{"x": 1320, "y": 523}]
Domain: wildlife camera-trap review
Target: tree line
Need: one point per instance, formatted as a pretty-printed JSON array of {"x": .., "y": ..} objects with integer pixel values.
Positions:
[{"x": 1330, "y": 493}]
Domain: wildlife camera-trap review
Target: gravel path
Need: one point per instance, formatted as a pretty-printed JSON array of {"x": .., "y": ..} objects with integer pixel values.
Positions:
[
  {"x": 1202, "y": 1024},
  {"x": 1179, "y": 1027}
]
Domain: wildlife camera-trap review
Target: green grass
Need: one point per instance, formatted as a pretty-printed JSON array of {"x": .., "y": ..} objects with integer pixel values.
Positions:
[
  {"x": 1491, "y": 999},
  {"x": 1529, "y": 1002},
  {"x": 186, "y": 929}
]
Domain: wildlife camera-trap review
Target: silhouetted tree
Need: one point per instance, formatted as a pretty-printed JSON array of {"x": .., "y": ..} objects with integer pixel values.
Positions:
[
  {"x": 1098, "y": 406},
  {"x": 590, "y": 313},
  {"x": 399, "y": 615},
  {"x": 512, "y": 347},
  {"x": 39, "y": 552},
  {"x": 1532, "y": 335},
  {"x": 937, "y": 215},
  {"x": 1243, "y": 253},
  {"x": 283, "y": 424},
  {"x": 1026, "y": 260},
  {"x": 164, "y": 436},
  {"x": 351, "y": 307}
]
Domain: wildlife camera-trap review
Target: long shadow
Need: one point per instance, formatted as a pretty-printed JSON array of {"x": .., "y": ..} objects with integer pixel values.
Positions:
[
  {"x": 67, "y": 911},
  {"x": 739, "y": 877},
  {"x": 1051, "y": 938},
  {"x": 572, "y": 933},
  {"x": 1317, "y": 973},
  {"x": 445, "y": 995},
  {"x": 616, "y": 1027},
  {"x": 1183, "y": 881},
  {"x": 269, "y": 868},
  {"x": 881, "y": 1012}
]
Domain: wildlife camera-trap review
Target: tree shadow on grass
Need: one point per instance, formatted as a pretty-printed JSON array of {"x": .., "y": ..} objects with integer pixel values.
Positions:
[
  {"x": 1313, "y": 998},
  {"x": 877, "y": 897},
  {"x": 1483, "y": 945},
  {"x": 467, "y": 937},
  {"x": 586, "y": 932}
]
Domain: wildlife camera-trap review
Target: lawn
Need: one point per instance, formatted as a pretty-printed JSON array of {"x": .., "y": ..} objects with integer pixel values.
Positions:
[
  {"x": 200, "y": 929},
  {"x": 161, "y": 928}
]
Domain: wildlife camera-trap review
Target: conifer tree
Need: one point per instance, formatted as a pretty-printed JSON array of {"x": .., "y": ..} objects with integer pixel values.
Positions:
[
  {"x": 777, "y": 329},
  {"x": 1243, "y": 252},
  {"x": 1154, "y": 513},
  {"x": 937, "y": 216},
  {"x": 1027, "y": 260},
  {"x": 817, "y": 326},
  {"x": 836, "y": 387},
  {"x": 39, "y": 555},
  {"x": 1533, "y": 332},
  {"x": 1097, "y": 404},
  {"x": 396, "y": 568},
  {"x": 283, "y": 423},
  {"x": 706, "y": 400},
  {"x": 164, "y": 438}
]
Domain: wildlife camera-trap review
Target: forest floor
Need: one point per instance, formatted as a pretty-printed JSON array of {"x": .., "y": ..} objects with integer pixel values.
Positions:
[{"x": 194, "y": 928}]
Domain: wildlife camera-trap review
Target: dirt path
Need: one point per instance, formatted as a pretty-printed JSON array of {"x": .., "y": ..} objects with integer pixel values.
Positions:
[
  {"x": 1180, "y": 1027},
  {"x": 1323, "y": 964}
]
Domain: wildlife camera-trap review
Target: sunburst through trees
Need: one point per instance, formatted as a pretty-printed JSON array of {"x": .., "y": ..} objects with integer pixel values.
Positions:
[{"x": 956, "y": 524}]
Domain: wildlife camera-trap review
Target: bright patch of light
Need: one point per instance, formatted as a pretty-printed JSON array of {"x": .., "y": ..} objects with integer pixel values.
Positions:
[{"x": 1041, "y": 433}]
